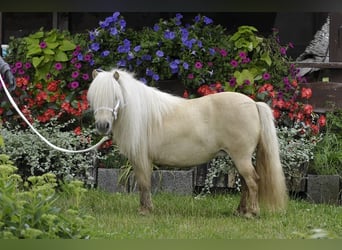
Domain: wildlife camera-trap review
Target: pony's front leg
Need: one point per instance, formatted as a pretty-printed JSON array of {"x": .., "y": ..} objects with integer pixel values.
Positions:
[{"x": 143, "y": 178}]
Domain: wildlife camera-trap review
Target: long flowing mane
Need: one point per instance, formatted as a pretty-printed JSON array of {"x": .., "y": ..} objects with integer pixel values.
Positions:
[{"x": 142, "y": 109}]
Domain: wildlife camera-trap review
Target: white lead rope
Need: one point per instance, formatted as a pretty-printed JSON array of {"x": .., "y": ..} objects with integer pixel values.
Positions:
[{"x": 42, "y": 137}]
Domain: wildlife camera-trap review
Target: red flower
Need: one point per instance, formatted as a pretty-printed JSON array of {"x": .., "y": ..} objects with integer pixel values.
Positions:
[
  {"x": 186, "y": 94},
  {"x": 78, "y": 130},
  {"x": 322, "y": 121},
  {"x": 308, "y": 109},
  {"x": 306, "y": 93},
  {"x": 52, "y": 86}
]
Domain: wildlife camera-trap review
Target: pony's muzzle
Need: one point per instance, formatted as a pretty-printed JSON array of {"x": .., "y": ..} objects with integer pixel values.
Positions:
[{"x": 103, "y": 127}]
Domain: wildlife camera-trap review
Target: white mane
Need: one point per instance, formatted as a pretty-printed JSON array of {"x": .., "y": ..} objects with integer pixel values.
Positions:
[{"x": 141, "y": 111}]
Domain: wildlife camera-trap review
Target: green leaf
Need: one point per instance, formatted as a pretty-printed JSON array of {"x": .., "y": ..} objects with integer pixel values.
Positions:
[
  {"x": 61, "y": 57},
  {"x": 52, "y": 45},
  {"x": 37, "y": 35},
  {"x": 33, "y": 50},
  {"x": 244, "y": 75},
  {"x": 67, "y": 45},
  {"x": 48, "y": 51},
  {"x": 266, "y": 58},
  {"x": 37, "y": 60}
]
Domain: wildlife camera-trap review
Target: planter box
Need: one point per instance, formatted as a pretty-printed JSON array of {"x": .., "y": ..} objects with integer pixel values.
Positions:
[
  {"x": 324, "y": 189},
  {"x": 172, "y": 181},
  {"x": 108, "y": 180}
]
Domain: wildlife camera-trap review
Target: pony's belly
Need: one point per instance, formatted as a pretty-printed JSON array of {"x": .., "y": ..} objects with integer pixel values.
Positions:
[{"x": 183, "y": 156}]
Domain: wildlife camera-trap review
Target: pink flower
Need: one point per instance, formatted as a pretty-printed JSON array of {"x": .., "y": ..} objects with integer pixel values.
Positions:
[
  {"x": 58, "y": 66},
  {"x": 43, "y": 45},
  {"x": 198, "y": 65},
  {"x": 75, "y": 74}
]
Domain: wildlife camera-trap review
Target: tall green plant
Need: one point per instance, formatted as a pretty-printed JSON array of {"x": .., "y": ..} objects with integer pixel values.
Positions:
[
  {"x": 29, "y": 210},
  {"x": 328, "y": 153},
  {"x": 45, "y": 49}
]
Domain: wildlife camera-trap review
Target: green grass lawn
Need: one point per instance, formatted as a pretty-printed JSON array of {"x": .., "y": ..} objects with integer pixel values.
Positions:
[{"x": 184, "y": 217}]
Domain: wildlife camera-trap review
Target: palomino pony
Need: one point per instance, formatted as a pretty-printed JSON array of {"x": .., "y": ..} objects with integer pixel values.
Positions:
[{"x": 153, "y": 127}]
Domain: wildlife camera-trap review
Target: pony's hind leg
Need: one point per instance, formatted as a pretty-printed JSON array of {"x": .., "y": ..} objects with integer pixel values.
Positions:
[{"x": 249, "y": 204}]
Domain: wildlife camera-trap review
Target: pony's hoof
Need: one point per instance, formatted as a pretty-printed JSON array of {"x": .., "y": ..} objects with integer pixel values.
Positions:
[
  {"x": 145, "y": 211},
  {"x": 245, "y": 214}
]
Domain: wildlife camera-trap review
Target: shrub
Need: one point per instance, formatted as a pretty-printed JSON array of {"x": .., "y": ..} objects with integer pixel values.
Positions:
[
  {"x": 29, "y": 210},
  {"x": 34, "y": 157},
  {"x": 295, "y": 154},
  {"x": 328, "y": 153}
]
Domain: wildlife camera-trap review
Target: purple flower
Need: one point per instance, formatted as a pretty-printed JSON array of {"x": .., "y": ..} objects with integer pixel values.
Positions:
[
  {"x": 73, "y": 85},
  {"x": 78, "y": 65},
  {"x": 43, "y": 45},
  {"x": 246, "y": 60},
  {"x": 85, "y": 76},
  {"x": 28, "y": 65},
  {"x": 198, "y": 65},
  {"x": 283, "y": 51},
  {"x": 266, "y": 76},
  {"x": 75, "y": 74},
  {"x": 58, "y": 66},
  {"x": 18, "y": 65},
  {"x": 197, "y": 18},
  {"x": 242, "y": 55},
  {"x": 137, "y": 48},
  {"x": 232, "y": 82},
  {"x": 87, "y": 57},
  {"x": 234, "y": 63},
  {"x": 160, "y": 53}
]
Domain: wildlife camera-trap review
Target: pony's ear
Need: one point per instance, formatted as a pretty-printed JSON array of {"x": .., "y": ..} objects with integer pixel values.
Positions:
[
  {"x": 96, "y": 72},
  {"x": 116, "y": 75}
]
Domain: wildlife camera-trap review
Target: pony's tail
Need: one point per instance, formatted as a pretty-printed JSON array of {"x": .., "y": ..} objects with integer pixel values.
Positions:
[{"x": 272, "y": 185}]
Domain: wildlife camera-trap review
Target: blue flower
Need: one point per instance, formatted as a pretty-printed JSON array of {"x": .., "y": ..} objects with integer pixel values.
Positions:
[
  {"x": 207, "y": 20},
  {"x": 122, "y": 24},
  {"x": 197, "y": 18},
  {"x": 113, "y": 31},
  {"x": 160, "y": 53},
  {"x": 80, "y": 57},
  {"x": 169, "y": 35},
  {"x": 185, "y": 65},
  {"x": 125, "y": 48},
  {"x": 105, "y": 53},
  {"x": 143, "y": 80},
  {"x": 174, "y": 67},
  {"x": 149, "y": 72},
  {"x": 146, "y": 58},
  {"x": 212, "y": 51},
  {"x": 115, "y": 16},
  {"x": 156, "y": 27},
  {"x": 121, "y": 63},
  {"x": 137, "y": 48},
  {"x": 155, "y": 77},
  {"x": 95, "y": 46}
]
